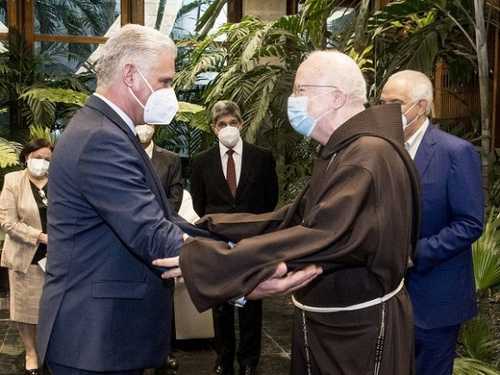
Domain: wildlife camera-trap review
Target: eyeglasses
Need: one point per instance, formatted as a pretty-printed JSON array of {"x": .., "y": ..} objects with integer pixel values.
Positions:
[{"x": 298, "y": 90}]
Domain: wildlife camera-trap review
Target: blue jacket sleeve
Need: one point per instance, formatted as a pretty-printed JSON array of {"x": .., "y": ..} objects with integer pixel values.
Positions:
[
  {"x": 113, "y": 182},
  {"x": 466, "y": 207}
]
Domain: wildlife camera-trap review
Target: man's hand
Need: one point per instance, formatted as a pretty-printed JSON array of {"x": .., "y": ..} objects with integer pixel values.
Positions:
[
  {"x": 172, "y": 263},
  {"x": 281, "y": 282}
]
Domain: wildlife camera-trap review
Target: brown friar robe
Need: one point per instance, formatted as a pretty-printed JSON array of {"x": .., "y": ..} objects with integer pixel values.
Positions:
[{"x": 359, "y": 220}]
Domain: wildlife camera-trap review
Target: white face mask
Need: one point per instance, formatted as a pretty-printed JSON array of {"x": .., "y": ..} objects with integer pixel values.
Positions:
[
  {"x": 229, "y": 136},
  {"x": 161, "y": 106},
  {"x": 404, "y": 119},
  {"x": 145, "y": 133},
  {"x": 38, "y": 167}
]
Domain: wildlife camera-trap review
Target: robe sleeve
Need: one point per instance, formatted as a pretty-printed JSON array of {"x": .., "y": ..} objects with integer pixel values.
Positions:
[{"x": 330, "y": 232}]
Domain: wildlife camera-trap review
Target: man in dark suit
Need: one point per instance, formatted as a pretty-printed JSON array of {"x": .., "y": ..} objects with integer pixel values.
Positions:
[
  {"x": 104, "y": 302},
  {"x": 441, "y": 283},
  {"x": 234, "y": 176},
  {"x": 166, "y": 164}
]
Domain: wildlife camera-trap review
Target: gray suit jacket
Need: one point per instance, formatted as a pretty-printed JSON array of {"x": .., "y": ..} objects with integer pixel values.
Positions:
[{"x": 167, "y": 165}]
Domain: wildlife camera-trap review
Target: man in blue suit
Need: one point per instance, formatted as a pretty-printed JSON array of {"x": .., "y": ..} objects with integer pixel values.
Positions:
[
  {"x": 441, "y": 283},
  {"x": 105, "y": 307}
]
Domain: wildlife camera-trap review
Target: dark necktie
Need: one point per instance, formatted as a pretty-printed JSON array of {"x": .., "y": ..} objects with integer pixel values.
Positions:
[{"x": 231, "y": 172}]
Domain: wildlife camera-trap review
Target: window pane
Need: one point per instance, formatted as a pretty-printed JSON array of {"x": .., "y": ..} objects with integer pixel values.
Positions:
[
  {"x": 76, "y": 17},
  {"x": 3, "y": 16},
  {"x": 178, "y": 17},
  {"x": 60, "y": 58}
]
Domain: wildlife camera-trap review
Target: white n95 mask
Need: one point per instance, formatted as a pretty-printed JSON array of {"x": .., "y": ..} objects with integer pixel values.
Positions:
[
  {"x": 229, "y": 136},
  {"x": 161, "y": 106}
]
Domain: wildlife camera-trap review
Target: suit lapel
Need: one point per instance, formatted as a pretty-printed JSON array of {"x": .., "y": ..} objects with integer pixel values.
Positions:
[
  {"x": 97, "y": 104},
  {"x": 425, "y": 152},
  {"x": 246, "y": 157}
]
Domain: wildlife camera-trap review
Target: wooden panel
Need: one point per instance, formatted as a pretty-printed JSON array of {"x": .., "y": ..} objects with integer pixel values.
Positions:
[
  {"x": 70, "y": 38},
  {"x": 138, "y": 12},
  {"x": 28, "y": 24},
  {"x": 453, "y": 102},
  {"x": 234, "y": 11},
  {"x": 13, "y": 16},
  {"x": 291, "y": 6},
  {"x": 125, "y": 12},
  {"x": 4, "y": 36}
]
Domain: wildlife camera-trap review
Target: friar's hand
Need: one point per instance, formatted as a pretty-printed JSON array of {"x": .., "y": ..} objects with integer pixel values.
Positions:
[
  {"x": 172, "y": 263},
  {"x": 282, "y": 282}
]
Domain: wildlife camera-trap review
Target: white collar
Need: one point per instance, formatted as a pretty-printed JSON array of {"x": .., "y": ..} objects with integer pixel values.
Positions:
[
  {"x": 149, "y": 150},
  {"x": 119, "y": 111},
  {"x": 416, "y": 138},
  {"x": 238, "y": 149}
]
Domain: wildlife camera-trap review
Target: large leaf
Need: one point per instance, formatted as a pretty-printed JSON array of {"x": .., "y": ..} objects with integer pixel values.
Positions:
[
  {"x": 486, "y": 255},
  {"x": 9, "y": 152},
  {"x": 469, "y": 366}
]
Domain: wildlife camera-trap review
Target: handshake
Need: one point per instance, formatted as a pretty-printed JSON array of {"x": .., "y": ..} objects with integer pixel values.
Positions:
[{"x": 280, "y": 282}]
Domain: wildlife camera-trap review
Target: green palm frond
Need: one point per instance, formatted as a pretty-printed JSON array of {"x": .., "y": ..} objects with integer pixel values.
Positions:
[
  {"x": 42, "y": 103},
  {"x": 40, "y": 132},
  {"x": 486, "y": 254},
  {"x": 478, "y": 341},
  {"x": 469, "y": 366},
  {"x": 9, "y": 153}
]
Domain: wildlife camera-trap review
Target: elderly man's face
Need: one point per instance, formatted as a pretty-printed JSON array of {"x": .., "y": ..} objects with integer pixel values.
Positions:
[
  {"x": 398, "y": 91},
  {"x": 311, "y": 83}
]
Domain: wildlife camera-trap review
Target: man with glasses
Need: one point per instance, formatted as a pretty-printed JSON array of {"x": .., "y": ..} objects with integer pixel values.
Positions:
[
  {"x": 347, "y": 238},
  {"x": 441, "y": 284},
  {"x": 234, "y": 176}
]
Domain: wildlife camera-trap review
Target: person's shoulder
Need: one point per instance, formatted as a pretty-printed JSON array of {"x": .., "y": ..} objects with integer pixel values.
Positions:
[
  {"x": 258, "y": 150},
  {"x": 204, "y": 156},
  {"x": 166, "y": 153},
  {"x": 450, "y": 143},
  {"x": 13, "y": 177}
]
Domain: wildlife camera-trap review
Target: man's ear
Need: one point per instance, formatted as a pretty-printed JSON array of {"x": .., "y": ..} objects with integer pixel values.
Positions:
[
  {"x": 128, "y": 74},
  {"x": 339, "y": 99}
]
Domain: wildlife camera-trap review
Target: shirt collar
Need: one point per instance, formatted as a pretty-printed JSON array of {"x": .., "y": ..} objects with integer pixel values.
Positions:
[
  {"x": 119, "y": 111},
  {"x": 149, "y": 149},
  {"x": 238, "y": 149},
  {"x": 416, "y": 138}
]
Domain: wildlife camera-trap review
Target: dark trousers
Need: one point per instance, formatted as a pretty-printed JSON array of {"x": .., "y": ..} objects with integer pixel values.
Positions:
[
  {"x": 435, "y": 350},
  {"x": 57, "y": 369},
  {"x": 250, "y": 324}
]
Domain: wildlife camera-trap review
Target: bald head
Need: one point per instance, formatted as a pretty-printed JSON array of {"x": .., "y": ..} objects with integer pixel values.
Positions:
[
  {"x": 409, "y": 86},
  {"x": 336, "y": 69}
]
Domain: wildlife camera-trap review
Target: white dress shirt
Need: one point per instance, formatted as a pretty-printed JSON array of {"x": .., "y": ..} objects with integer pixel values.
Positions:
[
  {"x": 149, "y": 149},
  {"x": 414, "y": 141},
  {"x": 237, "y": 157},
  {"x": 119, "y": 111}
]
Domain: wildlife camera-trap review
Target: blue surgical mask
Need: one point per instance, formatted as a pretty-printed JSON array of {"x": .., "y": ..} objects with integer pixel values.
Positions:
[{"x": 298, "y": 116}]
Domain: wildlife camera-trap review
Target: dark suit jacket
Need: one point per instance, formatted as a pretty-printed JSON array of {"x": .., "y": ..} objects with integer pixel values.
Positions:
[
  {"x": 103, "y": 304},
  {"x": 168, "y": 167},
  {"x": 257, "y": 190},
  {"x": 441, "y": 284}
]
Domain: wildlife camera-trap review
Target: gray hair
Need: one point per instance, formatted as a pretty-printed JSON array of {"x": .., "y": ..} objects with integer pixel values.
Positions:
[
  {"x": 226, "y": 108},
  {"x": 420, "y": 86},
  {"x": 342, "y": 71},
  {"x": 132, "y": 44}
]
